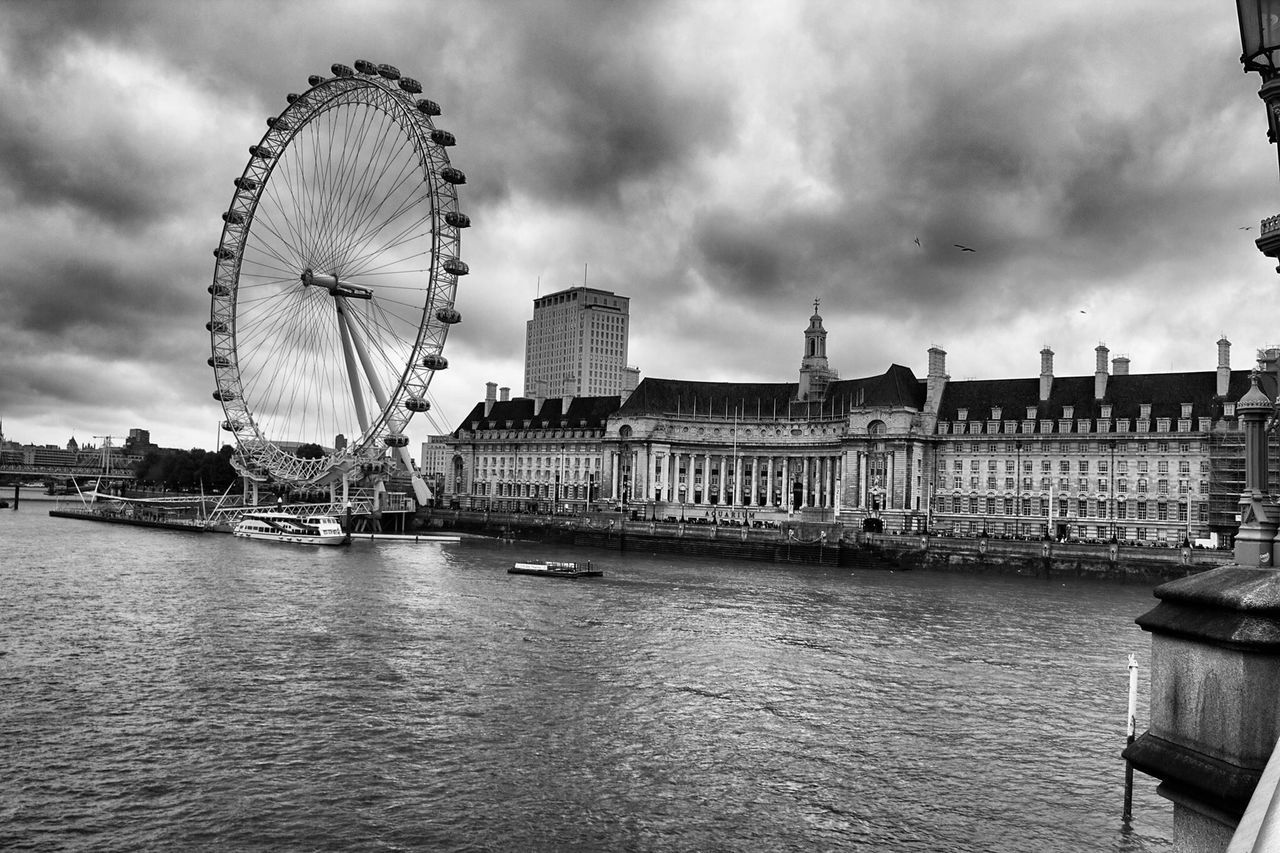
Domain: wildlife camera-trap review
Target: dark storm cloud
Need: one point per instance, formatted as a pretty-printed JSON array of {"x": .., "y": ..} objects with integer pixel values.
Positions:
[
  {"x": 589, "y": 105},
  {"x": 118, "y": 184},
  {"x": 750, "y": 156}
]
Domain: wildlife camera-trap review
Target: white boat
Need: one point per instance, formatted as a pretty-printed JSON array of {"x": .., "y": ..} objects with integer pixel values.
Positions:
[{"x": 283, "y": 527}]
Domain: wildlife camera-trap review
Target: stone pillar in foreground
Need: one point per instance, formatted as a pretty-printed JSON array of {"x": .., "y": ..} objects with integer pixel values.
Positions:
[{"x": 1215, "y": 671}]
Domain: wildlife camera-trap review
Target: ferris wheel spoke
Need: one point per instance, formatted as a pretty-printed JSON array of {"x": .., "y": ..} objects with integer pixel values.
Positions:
[{"x": 403, "y": 237}]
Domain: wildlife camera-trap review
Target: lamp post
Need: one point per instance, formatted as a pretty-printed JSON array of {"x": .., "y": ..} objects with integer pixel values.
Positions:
[{"x": 1260, "y": 42}]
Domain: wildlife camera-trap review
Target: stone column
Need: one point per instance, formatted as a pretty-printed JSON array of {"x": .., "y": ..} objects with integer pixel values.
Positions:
[
  {"x": 1215, "y": 664},
  {"x": 1255, "y": 540},
  {"x": 720, "y": 487},
  {"x": 617, "y": 461},
  {"x": 838, "y": 484}
]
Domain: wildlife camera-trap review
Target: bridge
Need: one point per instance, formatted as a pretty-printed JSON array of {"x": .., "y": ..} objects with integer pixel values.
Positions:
[{"x": 47, "y": 463}]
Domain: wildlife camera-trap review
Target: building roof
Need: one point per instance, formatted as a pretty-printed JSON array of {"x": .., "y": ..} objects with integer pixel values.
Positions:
[
  {"x": 583, "y": 413},
  {"x": 1165, "y": 392},
  {"x": 897, "y": 387}
]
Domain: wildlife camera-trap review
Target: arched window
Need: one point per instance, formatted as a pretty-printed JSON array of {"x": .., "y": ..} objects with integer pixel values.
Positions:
[{"x": 876, "y": 428}]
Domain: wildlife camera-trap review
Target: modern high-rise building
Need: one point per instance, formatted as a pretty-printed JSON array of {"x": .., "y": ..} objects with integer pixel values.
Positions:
[{"x": 576, "y": 343}]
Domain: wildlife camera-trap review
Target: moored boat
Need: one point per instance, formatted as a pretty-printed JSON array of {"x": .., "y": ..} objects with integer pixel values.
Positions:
[
  {"x": 283, "y": 527},
  {"x": 556, "y": 569}
]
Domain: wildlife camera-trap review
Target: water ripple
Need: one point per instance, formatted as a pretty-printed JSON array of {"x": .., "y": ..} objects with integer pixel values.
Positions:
[{"x": 172, "y": 692}]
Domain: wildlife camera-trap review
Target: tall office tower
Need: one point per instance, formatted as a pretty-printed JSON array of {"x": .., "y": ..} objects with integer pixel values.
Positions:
[{"x": 579, "y": 335}]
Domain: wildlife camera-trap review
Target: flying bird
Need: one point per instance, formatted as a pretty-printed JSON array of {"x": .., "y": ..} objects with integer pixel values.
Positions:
[
  {"x": 918, "y": 242},
  {"x": 963, "y": 248},
  {"x": 1245, "y": 228}
]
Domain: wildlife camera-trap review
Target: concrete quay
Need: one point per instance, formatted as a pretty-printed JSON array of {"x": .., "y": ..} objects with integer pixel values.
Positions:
[{"x": 832, "y": 544}]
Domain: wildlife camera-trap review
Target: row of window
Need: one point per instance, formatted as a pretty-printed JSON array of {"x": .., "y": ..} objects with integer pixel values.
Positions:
[
  {"x": 1082, "y": 484},
  {"x": 1160, "y": 510},
  {"x": 1057, "y": 447},
  {"x": 1082, "y": 425},
  {"x": 1102, "y": 466}
]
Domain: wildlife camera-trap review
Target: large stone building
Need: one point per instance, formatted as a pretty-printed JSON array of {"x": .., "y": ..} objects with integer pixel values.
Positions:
[
  {"x": 1153, "y": 458},
  {"x": 529, "y": 454},
  {"x": 576, "y": 343}
]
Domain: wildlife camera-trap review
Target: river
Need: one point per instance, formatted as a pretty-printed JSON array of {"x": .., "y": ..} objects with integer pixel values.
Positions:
[{"x": 170, "y": 691}]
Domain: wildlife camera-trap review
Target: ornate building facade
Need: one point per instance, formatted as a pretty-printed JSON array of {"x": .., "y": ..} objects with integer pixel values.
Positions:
[{"x": 1155, "y": 458}]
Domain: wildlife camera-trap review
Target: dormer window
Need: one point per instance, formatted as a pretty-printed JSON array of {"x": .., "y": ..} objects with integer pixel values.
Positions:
[
  {"x": 1229, "y": 409},
  {"x": 1068, "y": 412},
  {"x": 962, "y": 414},
  {"x": 1186, "y": 410},
  {"x": 995, "y": 413},
  {"x": 1106, "y": 410},
  {"x": 1031, "y": 413},
  {"x": 1144, "y": 410}
]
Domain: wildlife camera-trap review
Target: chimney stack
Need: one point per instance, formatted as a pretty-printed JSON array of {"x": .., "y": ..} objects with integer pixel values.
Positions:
[
  {"x": 1046, "y": 373},
  {"x": 504, "y": 394},
  {"x": 1120, "y": 365},
  {"x": 936, "y": 381},
  {"x": 1100, "y": 372},
  {"x": 1224, "y": 366},
  {"x": 490, "y": 396}
]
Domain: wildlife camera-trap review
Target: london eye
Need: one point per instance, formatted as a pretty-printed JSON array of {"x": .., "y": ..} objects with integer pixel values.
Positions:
[{"x": 335, "y": 280}]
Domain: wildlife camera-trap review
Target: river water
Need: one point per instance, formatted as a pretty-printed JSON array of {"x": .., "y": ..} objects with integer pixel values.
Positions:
[{"x": 169, "y": 691}]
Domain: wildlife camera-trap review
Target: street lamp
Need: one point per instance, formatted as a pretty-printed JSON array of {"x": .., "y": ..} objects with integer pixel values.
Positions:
[{"x": 1260, "y": 40}]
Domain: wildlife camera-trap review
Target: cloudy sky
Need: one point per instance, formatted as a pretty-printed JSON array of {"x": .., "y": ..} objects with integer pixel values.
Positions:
[{"x": 721, "y": 163}]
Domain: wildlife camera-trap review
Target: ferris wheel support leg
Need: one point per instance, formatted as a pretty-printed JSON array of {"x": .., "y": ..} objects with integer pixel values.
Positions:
[
  {"x": 349, "y": 344},
  {"x": 420, "y": 491}
]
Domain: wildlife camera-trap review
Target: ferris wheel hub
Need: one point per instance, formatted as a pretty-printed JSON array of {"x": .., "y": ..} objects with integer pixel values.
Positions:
[{"x": 335, "y": 285}]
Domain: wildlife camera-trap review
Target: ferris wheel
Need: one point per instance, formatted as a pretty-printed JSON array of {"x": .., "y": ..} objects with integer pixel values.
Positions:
[{"x": 335, "y": 279}]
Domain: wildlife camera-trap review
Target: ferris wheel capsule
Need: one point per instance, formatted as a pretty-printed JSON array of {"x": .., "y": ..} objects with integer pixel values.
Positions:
[
  {"x": 364, "y": 66},
  {"x": 450, "y": 175},
  {"x": 429, "y": 107},
  {"x": 339, "y": 70},
  {"x": 457, "y": 220},
  {"x": 315, "y": 80},
  {"x": 417, "y": 404},
  {"x": 389, "y": 72},
  {"x": 395, "y": 440},
  {"x": 408, "y": 84},
  {"x": 449, "y": 315},
  {"x": 454, "y": 266},
  {"x": 435, "y": 361},
  {"x": 443, "y": 137}
]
